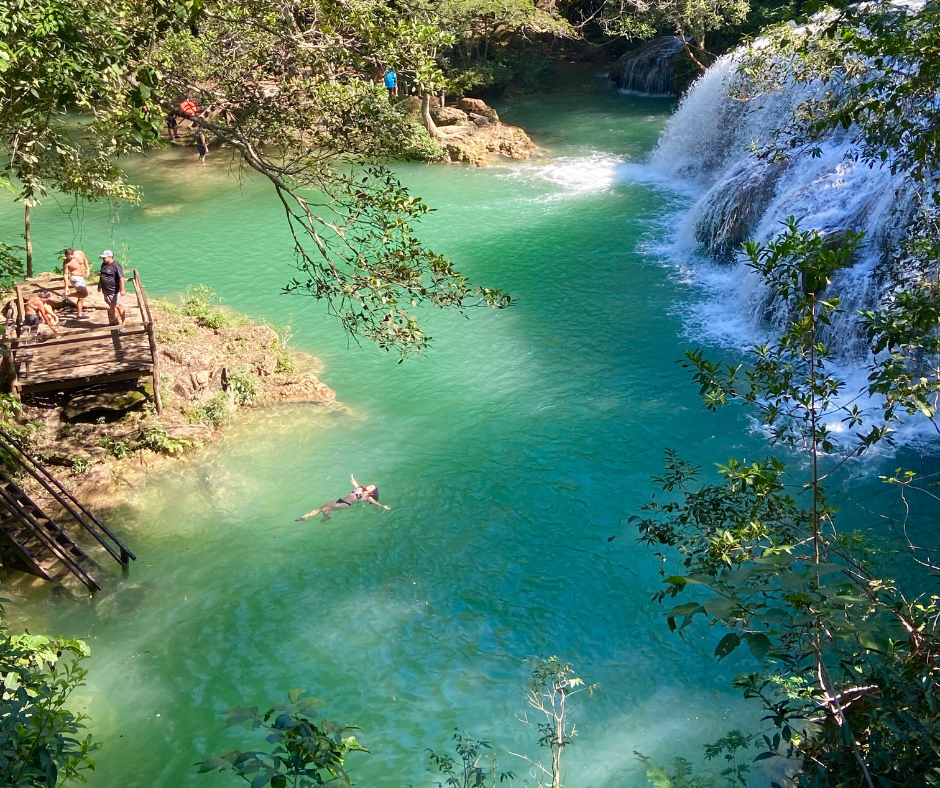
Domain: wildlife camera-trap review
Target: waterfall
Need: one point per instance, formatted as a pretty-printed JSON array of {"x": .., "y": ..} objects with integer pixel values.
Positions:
[
  {"x": 651, "y": 68},
  {"x": 711, "y": 140}
]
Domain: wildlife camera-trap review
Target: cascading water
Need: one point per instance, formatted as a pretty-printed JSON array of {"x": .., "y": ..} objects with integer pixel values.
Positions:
[
  {"x": 711, "y": 141},
  {"x": 651, "y": 68}
]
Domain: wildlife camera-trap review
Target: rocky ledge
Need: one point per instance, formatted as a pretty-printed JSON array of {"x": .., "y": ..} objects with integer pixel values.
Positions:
[
  {"x": 213, "y": 364},
  {"x": 472, "y": 132}
]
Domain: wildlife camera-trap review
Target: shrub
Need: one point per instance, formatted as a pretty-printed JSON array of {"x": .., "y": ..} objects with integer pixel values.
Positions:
[
  {"x": 9, "y": 407},
  {"x": 244, "y": 386},
  {"x": 41, "y": 744},
  {"x": 200, "y": 304},
  {"x": 11, "y": 266},
  {"x": 159, "y": 440},
  {"x": 80, "y": 466},
  {"x": 282, "y": 347},
  {"x": 116, "y": 447},
  {"x": 213, "y": 413},
  {"x": 421, "y": 146}
]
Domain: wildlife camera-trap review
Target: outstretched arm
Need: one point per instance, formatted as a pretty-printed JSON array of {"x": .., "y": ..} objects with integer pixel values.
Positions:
[
  {"x": 353, "y": 480},
  {"x": 382, "y": 505}
]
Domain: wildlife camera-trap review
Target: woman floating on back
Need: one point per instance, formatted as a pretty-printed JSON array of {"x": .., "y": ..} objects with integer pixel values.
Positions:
[{"x": 369, "y": 493}]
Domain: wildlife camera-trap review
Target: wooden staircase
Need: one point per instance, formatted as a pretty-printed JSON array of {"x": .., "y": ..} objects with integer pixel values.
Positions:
[{"x": 32, "y": 538}]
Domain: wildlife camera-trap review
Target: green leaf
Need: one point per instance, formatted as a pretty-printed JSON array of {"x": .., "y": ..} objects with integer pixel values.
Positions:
[
  {"x": 727, "y": 644},
  {"x": 759, "y": 644},
  {"x": 211, "y": 764},
  {"x": 720, "y": 607},
  {"x": 294, "y": 695}
]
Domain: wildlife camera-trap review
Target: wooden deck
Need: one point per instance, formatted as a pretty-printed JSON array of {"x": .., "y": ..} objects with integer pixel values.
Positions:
[{"x": 84, "y": 352}]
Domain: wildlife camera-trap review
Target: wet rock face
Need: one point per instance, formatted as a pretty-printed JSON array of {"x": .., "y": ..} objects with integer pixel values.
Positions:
[
  {"x": 651, "y": 68},
  {"x": 731, "y": 210},
  {"x": 110, "y": 406}
]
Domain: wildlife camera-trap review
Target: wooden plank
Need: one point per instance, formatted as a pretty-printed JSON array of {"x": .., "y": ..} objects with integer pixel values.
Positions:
[
  {"x": 83, "y": 336},
  {"x": 70, "y": 383},
  {"x": 96, "y": 366}
]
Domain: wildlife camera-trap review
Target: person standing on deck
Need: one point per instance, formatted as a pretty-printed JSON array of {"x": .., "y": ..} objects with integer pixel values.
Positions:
[
  {"x": 202, "y": 145},
  {"x": 391, "y": 82},
  {"x": 111, "y": 285},
  {"x": 75, "y": 269}
]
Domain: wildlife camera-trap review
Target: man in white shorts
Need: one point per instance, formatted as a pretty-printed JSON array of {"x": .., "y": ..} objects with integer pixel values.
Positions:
[{"x": 75, "y": 269}]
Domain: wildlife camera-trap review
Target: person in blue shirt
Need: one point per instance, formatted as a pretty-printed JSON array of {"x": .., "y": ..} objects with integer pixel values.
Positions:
[{"x": 391, "y": 82}]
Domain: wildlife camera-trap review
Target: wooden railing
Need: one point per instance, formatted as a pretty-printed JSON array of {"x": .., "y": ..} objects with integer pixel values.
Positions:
[{"x": 101, "y": 533}]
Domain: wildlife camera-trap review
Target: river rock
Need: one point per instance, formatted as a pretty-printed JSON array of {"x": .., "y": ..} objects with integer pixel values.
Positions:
[
  {"x": 110, "y": 405},
  {"x": 728, "y": 214},
  {"x": 449, "y": 116},
  {"x": 476, "y": 106}
]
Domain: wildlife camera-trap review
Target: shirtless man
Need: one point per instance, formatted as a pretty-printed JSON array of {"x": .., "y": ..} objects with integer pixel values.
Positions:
[
  {"x": 369, "y": 493},
  {"x": 38, "y": 311},
  {"x": 75, "y": 268}
]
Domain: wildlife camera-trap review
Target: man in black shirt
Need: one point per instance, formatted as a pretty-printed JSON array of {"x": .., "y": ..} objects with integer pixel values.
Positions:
[{"x": 111, "y": 285}]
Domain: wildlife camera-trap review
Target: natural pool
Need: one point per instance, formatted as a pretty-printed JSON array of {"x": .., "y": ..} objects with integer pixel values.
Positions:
[{"x": 509, "y": 455}]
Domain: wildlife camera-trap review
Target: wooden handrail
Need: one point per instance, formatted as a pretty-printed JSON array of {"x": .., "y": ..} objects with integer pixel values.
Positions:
[
  {"x": 43, "y": 535},
  {"x": 68, "y": 501},
  {"x": 79, "y": 336}
]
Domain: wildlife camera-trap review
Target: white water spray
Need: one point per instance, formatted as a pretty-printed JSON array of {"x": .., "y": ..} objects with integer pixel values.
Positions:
[{"x": 711, "y": 141}]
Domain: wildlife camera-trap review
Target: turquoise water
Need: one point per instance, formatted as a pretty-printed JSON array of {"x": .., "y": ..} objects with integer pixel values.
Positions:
[{"x": 509, "y": 455}]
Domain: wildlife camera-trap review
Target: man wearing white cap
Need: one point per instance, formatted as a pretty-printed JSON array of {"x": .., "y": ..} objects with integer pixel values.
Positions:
[{"x": 111, "y": 285}]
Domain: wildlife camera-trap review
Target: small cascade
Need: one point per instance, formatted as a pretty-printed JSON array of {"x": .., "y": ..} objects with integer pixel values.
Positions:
[
  {"x": 711, "y": 142},
  {"x": 651, "y": 68}
]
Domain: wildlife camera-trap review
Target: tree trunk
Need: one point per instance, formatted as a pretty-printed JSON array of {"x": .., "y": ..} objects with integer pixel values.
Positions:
[
  {"x": 29, "y": 243},
  {"x": 426, "y": 118}
]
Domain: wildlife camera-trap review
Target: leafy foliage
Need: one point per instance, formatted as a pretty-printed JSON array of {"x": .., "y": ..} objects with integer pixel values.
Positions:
[
  {"x": 244, "y": 386},
  {"x": 465, "y": 770},
  {"x": 39, "y": 744},
  {"x": 307, "y": 751},
  {"x": 848, "y": 677},
  {"x": 201, "y": 303},
  {"x": 11, "y": 266},
  {"x": 157, "y": 439},
  {"x": 214, "y": 412},
  {"x": 691, "y": 20},
  {"x": 302, "y": 79}
]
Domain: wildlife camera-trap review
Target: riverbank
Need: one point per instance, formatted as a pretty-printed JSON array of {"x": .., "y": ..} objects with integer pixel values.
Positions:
[{"x": 215, "y": 364}]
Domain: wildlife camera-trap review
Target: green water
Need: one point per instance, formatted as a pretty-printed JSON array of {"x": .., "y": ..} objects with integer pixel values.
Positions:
[{"x": 509, "y": 455}]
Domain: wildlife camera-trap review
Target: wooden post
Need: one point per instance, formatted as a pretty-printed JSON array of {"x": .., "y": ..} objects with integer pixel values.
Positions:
[
  {"x": 20, "y": 310},
  {"x": 11, "y": 365},
  {"x": 154, "y": 352},
  {"x": 156, "y": 369}
]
